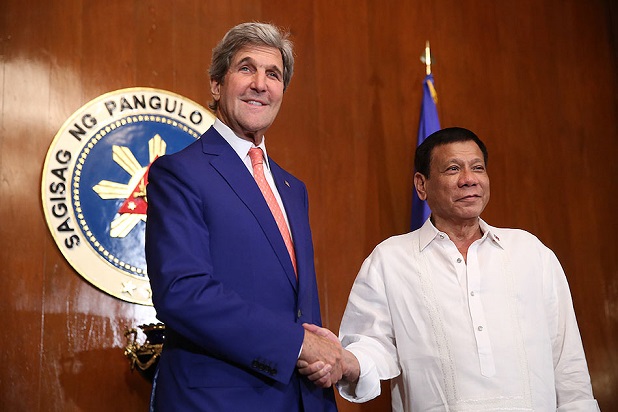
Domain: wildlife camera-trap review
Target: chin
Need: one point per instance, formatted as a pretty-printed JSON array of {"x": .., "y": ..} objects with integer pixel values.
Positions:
[
  {"x": 256, "y": 126},
  {"x": 470, "y": 215}
]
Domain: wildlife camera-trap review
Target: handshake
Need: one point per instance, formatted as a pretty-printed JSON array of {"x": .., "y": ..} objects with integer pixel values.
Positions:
[{"x": 323, "y": 360}]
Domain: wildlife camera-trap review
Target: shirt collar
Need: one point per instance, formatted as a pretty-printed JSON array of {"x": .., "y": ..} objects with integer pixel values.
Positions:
[
  {"x": 240, "y": 146},
  {"x": 490, "y": 233},
  {"x": 428, "y": 232}
]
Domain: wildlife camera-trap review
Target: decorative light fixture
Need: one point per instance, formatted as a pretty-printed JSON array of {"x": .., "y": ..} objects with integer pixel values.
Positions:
[{"x": 146, "y": 355}]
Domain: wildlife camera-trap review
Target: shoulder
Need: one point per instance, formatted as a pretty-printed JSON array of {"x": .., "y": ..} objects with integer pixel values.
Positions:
[
  {"x": 394, "y": 246},
  {"x": 513, "y": 234},
  {"x": 519, "y": 241},
  {"x": 398, "y": 241},
  {"x": 175, "y": 161},
  {"x": 281, "y": 173},
  {"x": 182, "y": 155},
  {"x": 210, "y": 144}
]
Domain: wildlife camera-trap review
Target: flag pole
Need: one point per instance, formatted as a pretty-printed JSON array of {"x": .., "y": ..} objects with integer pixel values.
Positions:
[
  {"x": 428, "y": 124},
  {"x": 427, "y": 58}
]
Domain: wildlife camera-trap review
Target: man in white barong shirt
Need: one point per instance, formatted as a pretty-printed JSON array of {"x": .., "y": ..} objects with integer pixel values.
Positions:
[{"x": 460, "y": 315}]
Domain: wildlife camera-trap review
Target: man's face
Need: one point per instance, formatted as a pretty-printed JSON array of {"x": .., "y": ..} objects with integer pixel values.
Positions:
[
  {"x": 458, "y": 188},
  {"x": 250, "y": 95}
]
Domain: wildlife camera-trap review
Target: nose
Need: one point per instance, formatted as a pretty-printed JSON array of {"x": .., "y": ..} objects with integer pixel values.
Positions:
[
  {"x": 468, "y": 177},
  {"x": 259, "y": 81}
]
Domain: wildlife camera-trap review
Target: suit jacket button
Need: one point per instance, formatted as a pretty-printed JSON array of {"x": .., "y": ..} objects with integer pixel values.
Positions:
[{"x": 300, "y": 313}]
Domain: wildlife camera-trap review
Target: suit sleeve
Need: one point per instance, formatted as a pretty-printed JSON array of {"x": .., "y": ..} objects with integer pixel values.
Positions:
[{"x": 188, "y": 297}]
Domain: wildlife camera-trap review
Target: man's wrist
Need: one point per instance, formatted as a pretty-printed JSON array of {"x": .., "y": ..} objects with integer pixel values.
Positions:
[{"x": 351, "y": 367}]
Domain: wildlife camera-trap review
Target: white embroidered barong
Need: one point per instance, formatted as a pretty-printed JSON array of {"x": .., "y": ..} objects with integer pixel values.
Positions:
[{"x": 495, "y": 333}]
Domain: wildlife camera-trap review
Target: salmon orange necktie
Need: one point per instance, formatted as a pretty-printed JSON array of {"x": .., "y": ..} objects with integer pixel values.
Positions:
[{"x": 257, "y": 161}]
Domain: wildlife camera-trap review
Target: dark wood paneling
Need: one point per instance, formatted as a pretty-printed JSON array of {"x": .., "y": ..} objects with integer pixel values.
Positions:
[{"x": 535, "y": 79}]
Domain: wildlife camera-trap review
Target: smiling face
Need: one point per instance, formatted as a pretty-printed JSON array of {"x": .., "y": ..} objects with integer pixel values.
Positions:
[
  {"x": 458, "y": 188},
  {"x": 252, "y": 91}
]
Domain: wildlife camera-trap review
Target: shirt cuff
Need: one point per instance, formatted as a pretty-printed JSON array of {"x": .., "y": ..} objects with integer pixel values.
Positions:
[{"x": 368, "y": 385}]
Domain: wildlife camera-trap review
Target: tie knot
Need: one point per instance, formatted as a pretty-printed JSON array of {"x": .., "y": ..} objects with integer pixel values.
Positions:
[{"x": 256, "y": 155}]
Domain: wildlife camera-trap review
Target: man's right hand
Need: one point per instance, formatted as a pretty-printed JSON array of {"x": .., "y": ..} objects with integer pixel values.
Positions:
[
  {"x": 320, "y": 358},
  {"x": 323, "y": 360}
]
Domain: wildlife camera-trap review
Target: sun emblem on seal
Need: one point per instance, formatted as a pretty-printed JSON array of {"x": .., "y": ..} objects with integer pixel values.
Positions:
[
  {"x": 94, "y": 185},
  {"x": 133, "y": 209}
]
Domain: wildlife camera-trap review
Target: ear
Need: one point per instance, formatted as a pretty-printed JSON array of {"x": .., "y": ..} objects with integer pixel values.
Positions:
[
  {"x": 419, "y": 184},
  {"x": 215, "y": 89}
]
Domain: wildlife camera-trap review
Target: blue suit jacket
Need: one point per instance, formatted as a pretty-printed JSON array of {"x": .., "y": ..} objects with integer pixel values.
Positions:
[{"x": 223, "y": 284}]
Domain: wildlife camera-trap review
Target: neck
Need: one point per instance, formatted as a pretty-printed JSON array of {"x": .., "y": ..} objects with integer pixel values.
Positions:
[
  {"x": 252, "y": 137},
  {"x": 463, "y": 234}
]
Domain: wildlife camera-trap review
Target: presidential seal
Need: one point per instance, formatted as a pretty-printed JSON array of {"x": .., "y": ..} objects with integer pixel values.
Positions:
[{"x": 94, "y": 182}]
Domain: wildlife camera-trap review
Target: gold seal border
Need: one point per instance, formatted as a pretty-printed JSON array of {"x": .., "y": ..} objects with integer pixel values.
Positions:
[{"x": 83, "y": 258}]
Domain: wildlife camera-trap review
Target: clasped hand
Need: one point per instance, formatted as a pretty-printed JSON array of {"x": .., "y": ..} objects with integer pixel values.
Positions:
[{"x": 322, "y": 356}]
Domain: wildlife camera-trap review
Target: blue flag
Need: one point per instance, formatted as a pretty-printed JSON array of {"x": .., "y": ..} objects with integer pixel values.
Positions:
[{"x": 428, "y": 124}]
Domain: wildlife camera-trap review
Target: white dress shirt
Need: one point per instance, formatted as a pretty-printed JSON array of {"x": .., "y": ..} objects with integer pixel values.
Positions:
[
  {"x": 495, "y": 333},
  {"x": 241, "y": 147}
]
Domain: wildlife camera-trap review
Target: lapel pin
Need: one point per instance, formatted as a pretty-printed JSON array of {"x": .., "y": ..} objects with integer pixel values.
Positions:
[{"x": 287, "y": 184}]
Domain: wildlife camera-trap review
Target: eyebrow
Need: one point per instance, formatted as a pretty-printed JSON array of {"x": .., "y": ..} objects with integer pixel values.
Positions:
[
  {"x": 250, "y": 60},
  {"x": 460, "y": 160}
]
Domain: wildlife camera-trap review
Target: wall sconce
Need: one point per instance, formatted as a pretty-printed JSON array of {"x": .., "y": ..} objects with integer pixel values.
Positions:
[{"x": 145, "y": 356}]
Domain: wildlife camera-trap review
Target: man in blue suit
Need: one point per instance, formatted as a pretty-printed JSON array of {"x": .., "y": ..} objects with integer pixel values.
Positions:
[{"x": 233, "y": 296}]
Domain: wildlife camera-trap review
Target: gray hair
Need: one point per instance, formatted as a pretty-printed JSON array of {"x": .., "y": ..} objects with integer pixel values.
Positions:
[{"x": 250, "y": 34}]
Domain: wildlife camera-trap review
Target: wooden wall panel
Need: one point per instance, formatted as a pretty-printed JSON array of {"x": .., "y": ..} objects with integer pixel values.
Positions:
[
  {"x": 535, "y": 79},
  {"x": 24, "y": 90}
]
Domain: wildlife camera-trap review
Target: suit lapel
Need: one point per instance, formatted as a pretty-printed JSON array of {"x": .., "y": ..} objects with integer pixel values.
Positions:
[{"x": 232, "y": 169}]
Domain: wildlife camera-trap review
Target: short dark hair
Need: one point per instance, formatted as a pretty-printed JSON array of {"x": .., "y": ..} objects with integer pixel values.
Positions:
[
  {"x": 251, "y": 34},
  {"x": 422, "y": 157}
]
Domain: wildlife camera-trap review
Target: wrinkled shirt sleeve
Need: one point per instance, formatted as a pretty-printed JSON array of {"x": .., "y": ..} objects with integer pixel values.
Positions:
[
  {"x": 572, "y": 380},
  {"x": 367, "y": 332}
]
